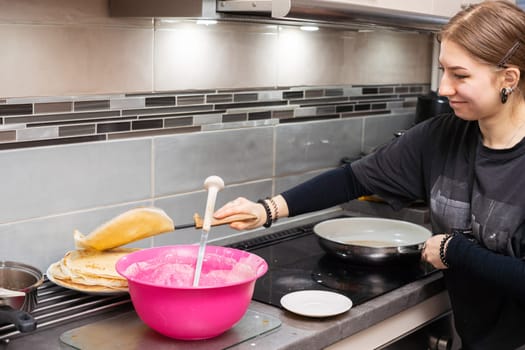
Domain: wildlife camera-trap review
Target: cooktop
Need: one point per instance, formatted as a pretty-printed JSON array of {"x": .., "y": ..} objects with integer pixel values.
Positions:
[{"x": 296, "y": 261}]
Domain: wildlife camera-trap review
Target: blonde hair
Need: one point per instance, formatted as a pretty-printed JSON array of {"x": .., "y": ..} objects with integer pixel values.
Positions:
[{"x": 491, "y": 31}]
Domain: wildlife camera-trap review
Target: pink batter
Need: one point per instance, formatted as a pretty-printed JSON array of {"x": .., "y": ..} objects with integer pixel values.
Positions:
[{"x": 172, "y": 270}]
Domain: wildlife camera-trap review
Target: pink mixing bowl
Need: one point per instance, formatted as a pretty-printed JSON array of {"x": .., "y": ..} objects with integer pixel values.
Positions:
[{"x": 187, "y": 312}]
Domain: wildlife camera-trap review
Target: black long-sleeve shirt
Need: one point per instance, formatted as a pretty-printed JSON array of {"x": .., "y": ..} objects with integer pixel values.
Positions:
[{"x": 467, "y": 186}]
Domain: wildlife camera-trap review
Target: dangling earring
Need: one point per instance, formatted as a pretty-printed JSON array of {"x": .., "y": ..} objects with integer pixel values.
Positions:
[{"x": 504, "y": 94}]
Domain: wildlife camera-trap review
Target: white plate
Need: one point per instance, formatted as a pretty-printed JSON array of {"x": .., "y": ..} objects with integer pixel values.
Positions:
[{"x": 316, "y": 303}]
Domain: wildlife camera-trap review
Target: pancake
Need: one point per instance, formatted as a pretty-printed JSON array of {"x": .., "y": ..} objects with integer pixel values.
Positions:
[
  {"x": 130, "y": 226},
  {"x": 94, "y": 263},
  {"x": 90, "y": 270}
]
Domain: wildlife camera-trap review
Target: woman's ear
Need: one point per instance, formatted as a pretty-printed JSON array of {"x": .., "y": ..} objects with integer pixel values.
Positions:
[{"x": 511, "y": 77}]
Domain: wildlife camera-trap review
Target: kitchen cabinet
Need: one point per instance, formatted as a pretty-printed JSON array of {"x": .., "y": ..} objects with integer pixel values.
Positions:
[
  {"x": 449, "y": 8},
  {"x": 445, "y": 8},
  {"x": 421, "y": 6}
]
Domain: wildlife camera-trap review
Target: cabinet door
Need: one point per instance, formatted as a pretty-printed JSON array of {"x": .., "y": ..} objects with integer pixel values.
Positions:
[
  {"x": 445, "y": 8},
  {"x": 420, "y": 6},
  {"x": 449, "y": 8}
]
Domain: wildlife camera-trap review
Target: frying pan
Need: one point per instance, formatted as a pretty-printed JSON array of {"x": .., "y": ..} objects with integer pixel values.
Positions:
[
  {"x": 372, "y": 241},
  {"x": 15, "y": 309}
]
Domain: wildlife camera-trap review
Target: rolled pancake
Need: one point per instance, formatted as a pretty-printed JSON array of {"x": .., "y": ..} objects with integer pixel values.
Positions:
[{"x": 130, "y": 226}]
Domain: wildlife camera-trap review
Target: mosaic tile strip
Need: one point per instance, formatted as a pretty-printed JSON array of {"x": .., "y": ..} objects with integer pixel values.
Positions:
[
  {"x": 217, "y": 98},
  {"x": 190, "y": 100},
  {"x": 91, "y": 105},
  {"x": 58, "y": 120},
  {"x": 8, "y": 136},
  {"x": 75, "y": 130},
  {"x": 53, "y": 107},
  {"x": 16, "y": 109}
]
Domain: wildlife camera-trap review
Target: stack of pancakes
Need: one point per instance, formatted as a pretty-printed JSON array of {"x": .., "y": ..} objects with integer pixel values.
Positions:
[{"x": 90, "y": 270}]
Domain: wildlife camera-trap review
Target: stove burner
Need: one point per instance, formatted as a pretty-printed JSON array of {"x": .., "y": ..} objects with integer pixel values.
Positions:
[
  {"x": 290, "y": 279},
  {"x": 339, "y": 275},
  {"x": 296, "y": 261}
]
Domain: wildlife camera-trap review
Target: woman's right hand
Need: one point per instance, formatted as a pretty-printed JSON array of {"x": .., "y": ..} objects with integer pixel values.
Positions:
[{"x": 243, "y": 206}]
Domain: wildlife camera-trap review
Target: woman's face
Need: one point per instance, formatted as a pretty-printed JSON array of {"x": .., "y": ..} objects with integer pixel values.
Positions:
[{"x": 471, "y": 86}]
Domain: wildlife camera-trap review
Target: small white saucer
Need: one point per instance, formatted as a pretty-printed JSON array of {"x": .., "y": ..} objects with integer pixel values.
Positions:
[{"x": 316, "y": 303}]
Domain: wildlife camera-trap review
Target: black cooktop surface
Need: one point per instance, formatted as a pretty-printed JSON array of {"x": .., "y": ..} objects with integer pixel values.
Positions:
[{"x": 296, "y": 261}]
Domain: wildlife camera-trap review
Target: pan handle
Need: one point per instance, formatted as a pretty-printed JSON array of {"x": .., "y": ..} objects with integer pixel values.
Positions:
[
  {"x": 23, "y": 321},
  {"x": 410, "y": 249}
]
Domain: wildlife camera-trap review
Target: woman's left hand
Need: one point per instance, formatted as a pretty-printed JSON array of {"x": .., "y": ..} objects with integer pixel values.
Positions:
[{"x": 430, "y": 251}]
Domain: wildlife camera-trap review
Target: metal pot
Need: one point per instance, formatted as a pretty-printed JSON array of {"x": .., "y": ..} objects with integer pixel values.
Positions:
[
  {"x": 372, "y": 241},
  {"x": 15, "y": 309}
]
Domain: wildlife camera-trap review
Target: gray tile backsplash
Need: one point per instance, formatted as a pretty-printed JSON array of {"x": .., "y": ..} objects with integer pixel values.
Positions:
[
  {"x": 302, "y": 147},
  {"x": 49, "y": 191},
  {"x": 378, "y": 129},
  {"x": 182, "y": 163},
  {"x": 41, "y": 241},
  {"x": 55, "y": 180}
]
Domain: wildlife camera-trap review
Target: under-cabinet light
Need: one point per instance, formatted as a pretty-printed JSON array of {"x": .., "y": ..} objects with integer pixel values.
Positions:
[
  {"x": 206, "y": 22},
  {"x": 309, "y": 28}
]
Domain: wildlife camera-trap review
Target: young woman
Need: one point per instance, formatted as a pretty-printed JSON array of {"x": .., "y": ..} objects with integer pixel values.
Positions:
[{"x": 469, "y": 168}]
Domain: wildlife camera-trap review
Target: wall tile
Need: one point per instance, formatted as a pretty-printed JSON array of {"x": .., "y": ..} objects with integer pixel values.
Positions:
[
  {"x": 190, "y": 100},
  {"x": 43, "y": 241},
  {"x": 380, "y": 129},
  {"x": 113, "y": 127},
  {"x": 16, "y": 109},
  {"x": 146, "y": 124},
  {"x": 386, "y": 57},
  {"x": 74, "y": 59},
  {"x": 160, "y": 101},
  {"x": 300, "y": 56},
  {"x": 82, "y": 129},
  {"x": 303, "y": 147},
  {"x": 8, "y": 136},
  {"x": 207, "y": 119},
  {"x": 37, "y": 133},
  {"x": 91, "y": 105},
  {"x": 73, "y": 178},
  {"x": 43, "y": 118},
  {"x": 183, "y": 162},
  {"x": 127, "y": 103},
  {"x": 219, "y": 98},
  {"x": 177, "y": 122},
  {"x": 53, "y": 107},
  {"x": 182, "y": 207},
  {"x": 189, "y": 56}
]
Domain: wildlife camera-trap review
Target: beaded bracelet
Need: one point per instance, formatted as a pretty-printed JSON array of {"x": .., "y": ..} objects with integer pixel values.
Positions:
[
  {"x": 275, "y": 208},
  {"x": 442, "y": 249},
  {"x": 269, "y": 219}
]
